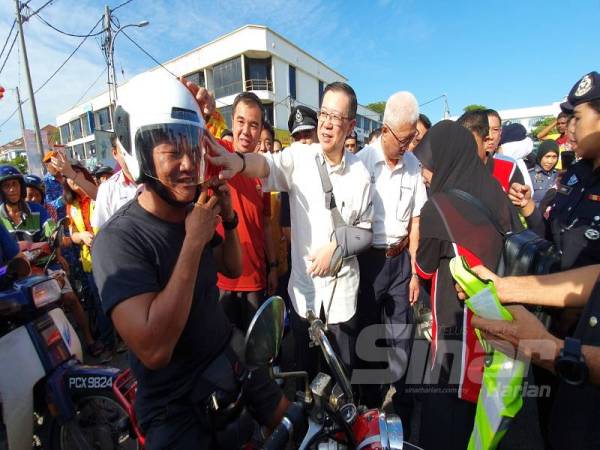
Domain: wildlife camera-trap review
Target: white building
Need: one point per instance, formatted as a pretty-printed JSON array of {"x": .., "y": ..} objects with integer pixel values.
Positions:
[
  {"x": 252, "y": 58},
  {"x": 529, "y": 117}
]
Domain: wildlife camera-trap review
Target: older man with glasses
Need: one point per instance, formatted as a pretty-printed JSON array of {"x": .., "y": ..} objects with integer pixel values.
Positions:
[{"x": 389, "y": 282}]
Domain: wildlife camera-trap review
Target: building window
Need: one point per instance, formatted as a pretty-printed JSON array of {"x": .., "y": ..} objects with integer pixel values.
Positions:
[
  {"x": 76, "y": 132},
  {"x": 79, "y": 152},
  {"x": 197, "y": 77},
  {"x": 321, "y": 88},
  {"x": 268, "y": 109},
  {"x": 85, "y": 125},
  {"x": 102, "y": 121},
  {"x": 226, "y": 112},
  {"x": 64, "y": 134},
  {"x": 90, "y": 148},
  {"x": 293, "y": 82},
  {"x": 227, "y": 77},
  {"x": 258, "y": 74}
]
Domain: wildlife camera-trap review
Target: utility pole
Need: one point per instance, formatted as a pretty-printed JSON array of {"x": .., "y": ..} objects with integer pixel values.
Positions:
[
  {"x": 36, "y": 123},
  {"x": 446, "y": 107},
  {"x": 21, "y": 120},
  {"x": 109, "y": 51}
]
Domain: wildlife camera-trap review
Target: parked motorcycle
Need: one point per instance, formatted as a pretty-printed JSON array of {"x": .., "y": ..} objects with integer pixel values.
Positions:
[
  {"x": 49, "y": 399},
  {"x": 327, "y": 404},
  {"x": 325, "y": 415}
]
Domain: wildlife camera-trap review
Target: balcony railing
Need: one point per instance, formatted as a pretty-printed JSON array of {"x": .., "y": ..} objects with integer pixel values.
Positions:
[{"x": 259, "y": 85}]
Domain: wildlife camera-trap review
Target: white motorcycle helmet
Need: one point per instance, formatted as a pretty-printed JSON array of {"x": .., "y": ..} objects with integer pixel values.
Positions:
[{"x": 156, "y": 108}]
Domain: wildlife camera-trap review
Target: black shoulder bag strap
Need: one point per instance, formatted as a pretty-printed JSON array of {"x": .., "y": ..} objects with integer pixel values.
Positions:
[
  {"x": 330, "y": 204},
  {"x": 465, "y": 196},
  {"x": 338, "y": 221}
]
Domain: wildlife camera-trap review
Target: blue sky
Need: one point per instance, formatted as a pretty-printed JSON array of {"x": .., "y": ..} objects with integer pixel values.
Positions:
[{"x": 501, "y": 54}]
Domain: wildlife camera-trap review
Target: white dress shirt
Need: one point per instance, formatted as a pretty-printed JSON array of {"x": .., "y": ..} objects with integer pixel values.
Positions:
[
  {"x": 398, "y": 193},
  {"x": 112, "y": 194},
  {"x": 295, "y": 170}
]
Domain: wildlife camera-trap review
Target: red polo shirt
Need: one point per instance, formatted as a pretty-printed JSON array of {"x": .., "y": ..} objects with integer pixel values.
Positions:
[{"x": 249, "y": 204}]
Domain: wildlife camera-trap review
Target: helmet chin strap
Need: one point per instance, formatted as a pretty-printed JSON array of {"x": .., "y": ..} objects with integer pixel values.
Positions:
[{"x": 163, "y": 192}]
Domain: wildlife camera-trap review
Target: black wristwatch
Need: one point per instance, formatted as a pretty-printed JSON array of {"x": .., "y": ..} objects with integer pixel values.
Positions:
[
  {"x": 232, "y": 224},
  {"x": 570, "y": 365},
  {"x": 241, "y": 155}
]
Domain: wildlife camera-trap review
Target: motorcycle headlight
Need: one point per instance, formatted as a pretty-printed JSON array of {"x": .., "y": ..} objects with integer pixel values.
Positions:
[
  {"x": 45, "y": 293},
  {"x": 391, "y": 432}
]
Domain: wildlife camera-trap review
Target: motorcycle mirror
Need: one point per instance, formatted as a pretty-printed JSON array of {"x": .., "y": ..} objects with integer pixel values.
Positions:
[{"x": 263, "y": 339}]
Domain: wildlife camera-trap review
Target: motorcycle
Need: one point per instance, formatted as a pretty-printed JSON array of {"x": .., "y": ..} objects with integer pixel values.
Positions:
[
  {"x": 327, "y": 405},
  {"x": 49, "y": 398},
  {"x": 324, "y": 416}
]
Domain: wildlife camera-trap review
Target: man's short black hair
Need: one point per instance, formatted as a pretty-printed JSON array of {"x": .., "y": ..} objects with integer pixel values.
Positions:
[
  {"x": 493, "y": 112},
  {"x": 561, "y": 115},
  {"x": 476, "y": 122},
  {"x": 249, "y": 98},
  {"x": 267, "y": 126},
  {"x": 595, "y": 104},
  {"x": 425, "y": 121},
  {"x": 340, "y": 86}
]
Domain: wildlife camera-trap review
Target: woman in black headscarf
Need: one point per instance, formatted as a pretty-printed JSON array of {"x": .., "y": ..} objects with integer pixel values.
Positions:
[{"x": 452, "y": 226}]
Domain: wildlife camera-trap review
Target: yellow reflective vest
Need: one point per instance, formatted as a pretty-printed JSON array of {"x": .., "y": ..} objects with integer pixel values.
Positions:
[{"x": 78, "y": 225}]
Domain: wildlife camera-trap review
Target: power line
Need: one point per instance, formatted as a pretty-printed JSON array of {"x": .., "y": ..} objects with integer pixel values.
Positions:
[
  {"x": 37, "y": 10},
  {"x": 41, "y": 19},
  {"x": 90, "y": 87},
  {"x": 9, "y": 52},
  {"x": 432, "y": 100},
  {"x": 55, "y": 72},
  {"x": 147, "y": 54},
  {"x": 10, "y": 117},
  {"x": 121, "y": 5},
  {"x": 68, "y": 57},
  {"x": 8, "y": 37}
]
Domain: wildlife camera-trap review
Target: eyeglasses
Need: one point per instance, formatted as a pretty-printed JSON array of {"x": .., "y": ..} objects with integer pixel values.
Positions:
[
  {"x": 404, "y": 142},
  {"x": 336, "y": 119}
]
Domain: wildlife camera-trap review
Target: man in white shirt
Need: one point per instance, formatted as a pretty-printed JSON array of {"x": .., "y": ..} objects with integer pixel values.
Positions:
[
  {"x": 113, "y": 193},
  {"x": 389, "y": 283},
  {"x": 317, "y": 244}
]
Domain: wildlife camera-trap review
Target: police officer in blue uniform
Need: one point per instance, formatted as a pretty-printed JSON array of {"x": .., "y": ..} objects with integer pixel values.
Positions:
[
  {"x": 575, "y": 215},
  {"x": 543, "y": 175},
  {"x": 574, "y": 219}
]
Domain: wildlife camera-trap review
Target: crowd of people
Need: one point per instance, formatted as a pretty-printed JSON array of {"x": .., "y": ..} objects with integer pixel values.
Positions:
[{"x": 176, "y": 250}]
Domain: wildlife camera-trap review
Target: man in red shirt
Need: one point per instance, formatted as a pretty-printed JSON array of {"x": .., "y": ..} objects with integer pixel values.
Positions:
[{"x": 242, "y": 296}]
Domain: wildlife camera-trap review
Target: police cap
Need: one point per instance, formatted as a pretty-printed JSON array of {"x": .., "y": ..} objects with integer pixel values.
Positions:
[
  {"x": 302, "y": 118},
  {"x": 585, "y": 90}
]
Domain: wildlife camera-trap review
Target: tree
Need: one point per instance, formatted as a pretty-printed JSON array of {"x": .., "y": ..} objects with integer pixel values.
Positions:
[
  {"x": 20, "y": 162},
  {"x": 378, "y": 107},
  {"x": 543, "y": 123},
  {"x": 474, "y": 107}
]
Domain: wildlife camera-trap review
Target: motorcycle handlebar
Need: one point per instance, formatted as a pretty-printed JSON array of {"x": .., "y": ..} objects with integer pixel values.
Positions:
[{"x": 292, "y": 420}]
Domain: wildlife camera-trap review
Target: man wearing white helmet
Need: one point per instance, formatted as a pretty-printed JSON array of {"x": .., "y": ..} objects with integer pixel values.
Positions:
[{"x": 156, "y": 261}]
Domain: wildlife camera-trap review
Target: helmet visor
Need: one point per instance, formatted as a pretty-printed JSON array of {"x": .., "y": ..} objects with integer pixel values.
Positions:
[{"x": 175, "y": 144}]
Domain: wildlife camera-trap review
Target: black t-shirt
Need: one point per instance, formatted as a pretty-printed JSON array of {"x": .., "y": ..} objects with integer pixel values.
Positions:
[{"x": 135, "y": 253}]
